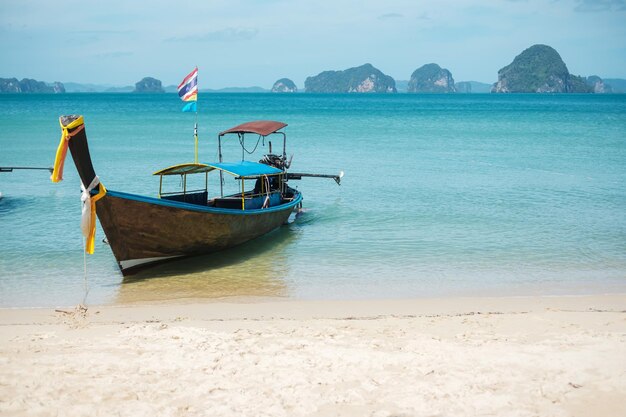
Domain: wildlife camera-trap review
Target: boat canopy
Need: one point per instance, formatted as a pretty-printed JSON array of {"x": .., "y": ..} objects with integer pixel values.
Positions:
[
  {"x": 239, "y": 169},
  {"x": 183, "y": 169},
  {"x": 245, "y": 168},
  {"x": 261, "y": 127}
]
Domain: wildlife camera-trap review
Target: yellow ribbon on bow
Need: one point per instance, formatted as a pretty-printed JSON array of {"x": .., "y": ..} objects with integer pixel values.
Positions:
[
  {"x": 59, "y": 160},
  {"x": 88, "y": 221}
]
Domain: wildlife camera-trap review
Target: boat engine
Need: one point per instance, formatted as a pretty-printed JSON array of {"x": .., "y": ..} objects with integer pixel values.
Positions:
[{"x": 276, "y": 161}]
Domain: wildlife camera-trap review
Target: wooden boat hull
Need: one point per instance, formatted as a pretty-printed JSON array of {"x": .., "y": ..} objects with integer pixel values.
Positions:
[{"x": 143, "y": 231}]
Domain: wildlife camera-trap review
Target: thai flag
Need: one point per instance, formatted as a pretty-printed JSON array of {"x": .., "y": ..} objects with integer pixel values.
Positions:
[{"x": 188, "y": 89}]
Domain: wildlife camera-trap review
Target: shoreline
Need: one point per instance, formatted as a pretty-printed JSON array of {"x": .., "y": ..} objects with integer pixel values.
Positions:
[
  {"x": 156, "y": 298},
  {"x": 522, "y": 356},
  {"x": 257, "y": 306}
]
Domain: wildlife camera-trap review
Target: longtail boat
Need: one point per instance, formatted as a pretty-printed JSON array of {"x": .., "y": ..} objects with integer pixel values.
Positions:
[{"x": 143, "y": 231}]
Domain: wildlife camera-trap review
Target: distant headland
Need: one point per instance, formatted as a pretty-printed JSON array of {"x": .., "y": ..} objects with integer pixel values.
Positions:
[
  {"x": 537, "y": 69},
  {"x": 27, "y": 85}
]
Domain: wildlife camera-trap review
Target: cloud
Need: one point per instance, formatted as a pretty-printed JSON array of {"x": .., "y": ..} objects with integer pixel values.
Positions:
[
  {"x": 85, "y": 37},
  {"x": 388, "y": 16},
  {"x": 600, "y": 5},
  {"x": 224, "y": 35},
  {"x": 114, "y": 54}
]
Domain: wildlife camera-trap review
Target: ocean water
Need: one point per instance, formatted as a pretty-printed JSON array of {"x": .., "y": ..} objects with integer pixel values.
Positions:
[{"x": 442, "y": 195}]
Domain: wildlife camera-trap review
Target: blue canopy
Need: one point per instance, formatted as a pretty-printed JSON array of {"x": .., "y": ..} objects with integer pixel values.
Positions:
[{"x": 245, "y": 168}]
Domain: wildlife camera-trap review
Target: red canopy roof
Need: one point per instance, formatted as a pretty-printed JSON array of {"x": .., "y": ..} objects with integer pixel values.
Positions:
[{"x": 261, "y": 127}]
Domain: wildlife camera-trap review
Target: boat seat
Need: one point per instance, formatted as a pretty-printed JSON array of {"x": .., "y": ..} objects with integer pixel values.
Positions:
[{"x": 228, "y": 202}]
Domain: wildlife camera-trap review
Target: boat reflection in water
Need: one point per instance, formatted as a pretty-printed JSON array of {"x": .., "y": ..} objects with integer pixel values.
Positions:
[{"x": 254, "y": 269}]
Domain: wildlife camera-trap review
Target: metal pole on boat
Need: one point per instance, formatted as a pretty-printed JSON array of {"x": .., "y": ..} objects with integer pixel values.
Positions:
[
  {"x": 219, "y": 148},
  {"x": 10, "y": 169},
  {"x": 195, "y": 130},
  {"x": 195, "y": 136},
  {"x": 242, "y": 136},
  {"x": 283, "y": 187},
  {"x": 284, "y": 150},
  {"x": 243, "y": 197}
]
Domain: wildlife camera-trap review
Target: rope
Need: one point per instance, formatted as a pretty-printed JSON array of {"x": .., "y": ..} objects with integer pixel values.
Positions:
[
  {"x": 255, "y": 146},
  {"x": 266, "y": 202},
  {"x": 85, "y": 282}
]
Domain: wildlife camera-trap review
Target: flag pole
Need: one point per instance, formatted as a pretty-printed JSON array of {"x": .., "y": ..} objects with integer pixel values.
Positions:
[
  {"x": 195, "y": 126},
  {"x": 195, "y": 133},
  {"x": 188, "y": 92}
]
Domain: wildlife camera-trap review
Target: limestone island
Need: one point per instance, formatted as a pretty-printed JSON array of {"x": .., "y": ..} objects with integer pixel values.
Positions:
[
  {"x": 539, "y": 69},
  {"x": 431, "y": 78},
  {"x": 363, "y": 79},
  {"x": 27, "y": 85},
  {"x": 598, "y": 85},
  {"x": 284, "y": 85},
  {"x": 148, "y": 85}
]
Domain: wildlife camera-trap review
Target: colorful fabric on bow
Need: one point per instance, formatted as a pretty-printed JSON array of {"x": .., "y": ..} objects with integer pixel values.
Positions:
[
  {"x": 59, "y": 160},
  {"x": 88, "y": 219}
]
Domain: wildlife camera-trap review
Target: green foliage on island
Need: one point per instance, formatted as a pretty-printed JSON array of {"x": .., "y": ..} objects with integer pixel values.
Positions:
[
  {"x": 578, "y": 84},
  {"x": 284, "y": 85},
  {"x": 539, "y": 69},
  {"x": 148, "y": 85},
  {"x": 431, "y": 78},
  {"x": 363, "y": 79},
  {"x": 27, "y": 85}
]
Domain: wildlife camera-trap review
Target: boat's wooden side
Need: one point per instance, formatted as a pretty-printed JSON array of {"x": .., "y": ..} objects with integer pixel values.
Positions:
[
  {"x": 141, "y": 232},
  {"x": 145, "y": 230}
]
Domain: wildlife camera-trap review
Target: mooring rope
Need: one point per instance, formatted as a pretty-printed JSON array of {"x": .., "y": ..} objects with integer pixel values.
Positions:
[{"x": 85, "y": 281}]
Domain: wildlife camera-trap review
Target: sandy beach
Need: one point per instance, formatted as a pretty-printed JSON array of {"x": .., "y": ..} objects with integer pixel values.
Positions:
[{"x": 534, "y": 356}]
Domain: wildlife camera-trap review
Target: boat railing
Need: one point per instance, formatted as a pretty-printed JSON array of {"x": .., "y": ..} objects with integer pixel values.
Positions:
[
  {"x": 194, "y": 197},
  {"x": 249, "y": 200},
  {"x": 183, "y": 192}
]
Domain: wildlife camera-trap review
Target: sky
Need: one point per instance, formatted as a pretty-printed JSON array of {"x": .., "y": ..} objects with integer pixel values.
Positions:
[{"x": 256, "y": 42}]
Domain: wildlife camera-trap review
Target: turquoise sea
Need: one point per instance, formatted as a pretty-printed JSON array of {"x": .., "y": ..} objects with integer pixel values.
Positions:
[{"x": 442, "y": 195}]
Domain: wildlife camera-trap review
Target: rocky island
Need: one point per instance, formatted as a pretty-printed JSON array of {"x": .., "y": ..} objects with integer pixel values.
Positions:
[
  {"x": 539, "y": 69},
  {"x": 598, "y": 85},
  {"x": 284, "y": 85},
  {"x": 27, "y": 85},
  {"x": 363, "y": 79},
  {"x": 148, "y": 85},
  {"x": 431, "y": 78}
]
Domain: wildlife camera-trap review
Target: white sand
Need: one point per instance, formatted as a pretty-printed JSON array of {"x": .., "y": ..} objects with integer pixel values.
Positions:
[{"x": 563, "y": 356}]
